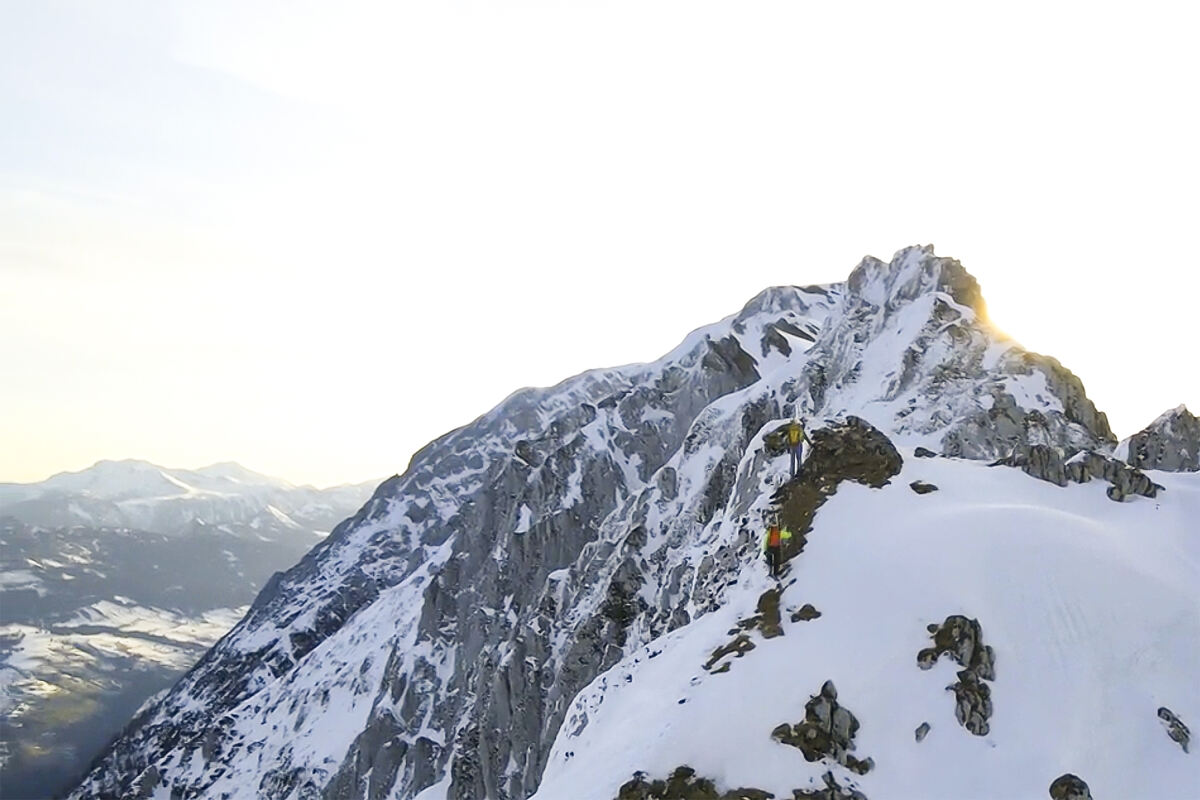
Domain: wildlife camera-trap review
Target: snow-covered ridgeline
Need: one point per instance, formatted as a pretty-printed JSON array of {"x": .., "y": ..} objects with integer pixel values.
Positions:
[{"x": 563, "y": 531}]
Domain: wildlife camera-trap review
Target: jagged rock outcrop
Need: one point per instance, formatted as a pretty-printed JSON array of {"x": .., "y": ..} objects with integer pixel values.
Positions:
[
  {"x": 849, "y": 450},
  {"x": 992, "y": 395},
  {"x": 1069, "y": 787},
  {"x": 1171, "y": 442},
  {"x": 826, "y": 732},
  {"x": 768, "y": 622},
  {"x": 1046, "y": 463},
  {"x": 962, "y": 640}
]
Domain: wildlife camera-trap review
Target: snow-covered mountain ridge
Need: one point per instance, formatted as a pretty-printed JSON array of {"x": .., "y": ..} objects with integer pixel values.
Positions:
[
  {"x": 448, "y": 639},
  {"x": 138, "y": 494}
]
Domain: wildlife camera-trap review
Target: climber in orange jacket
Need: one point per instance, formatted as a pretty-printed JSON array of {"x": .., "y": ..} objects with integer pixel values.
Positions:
[{"x": 773, "y": 541}]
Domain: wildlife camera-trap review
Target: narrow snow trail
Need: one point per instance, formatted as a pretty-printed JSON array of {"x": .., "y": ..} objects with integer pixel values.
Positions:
[{"x": 1092, "y": 607}]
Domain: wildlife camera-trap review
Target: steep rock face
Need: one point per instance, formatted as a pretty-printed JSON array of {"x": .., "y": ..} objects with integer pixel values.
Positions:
[
  {"x": 441, "y": 635},
  {"x": 1171, "y": 442}
]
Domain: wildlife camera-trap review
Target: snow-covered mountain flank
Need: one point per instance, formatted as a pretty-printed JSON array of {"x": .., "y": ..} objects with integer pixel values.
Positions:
[
  {"x": 566, "y": 597},
  {"x": 114, "y": 581}
]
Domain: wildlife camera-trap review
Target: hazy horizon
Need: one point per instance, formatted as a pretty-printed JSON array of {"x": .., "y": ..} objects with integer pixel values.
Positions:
[{"x": 311, "y": 239}]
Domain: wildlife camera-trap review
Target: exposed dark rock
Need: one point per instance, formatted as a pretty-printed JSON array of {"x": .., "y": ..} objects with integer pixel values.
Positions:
[
  {"x": 922, "y": 452},
  {"x": 683, "y": 784},
  {"x": 921, "y": 487},
  {"x": 1175, "y": 727},
  {"x": 524, "y": 451},
  {"x": 1126, "y": 481},
  {"x": 831, "y": 791},
  {"x": 1069, "y": 787},
  {"x": 805, "y": 613},
  {"x": 848, "y": 450},
  {"x": 962, "y": 640},
  {"x": 767, "y": 621},
  {"x": 1171, "y": 442},
  {"x": 1046, "y": 463},
  {"x": 772, "y": 338},
  {"x": 740, "y": 646},
  {"x": 922, "y": 731},
  {"x": 827, "y": 731}
]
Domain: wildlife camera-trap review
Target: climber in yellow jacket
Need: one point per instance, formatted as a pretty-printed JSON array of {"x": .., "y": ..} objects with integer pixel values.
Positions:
[
  {"x": 773, "y": 541},
  {"x": 795, "y": 439}
]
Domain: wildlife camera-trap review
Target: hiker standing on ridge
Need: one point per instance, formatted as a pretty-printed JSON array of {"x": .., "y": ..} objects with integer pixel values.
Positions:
[
  {"x": 795, "y": 439},
  {"x": 773, "y": 541}
]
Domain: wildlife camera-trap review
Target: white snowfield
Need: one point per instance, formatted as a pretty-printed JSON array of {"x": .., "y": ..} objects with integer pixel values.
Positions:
[{"x": 1092, "y": 607}]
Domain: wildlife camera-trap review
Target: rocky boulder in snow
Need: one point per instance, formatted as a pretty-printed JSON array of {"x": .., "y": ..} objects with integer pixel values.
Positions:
[
  {"x": 1175, "y": 727},
  {"x": 1171, "y": 442},
  {"x": 826, "y": 732},
  {"x": 1069, "y": 787},
  {"x": 962, "y": 640}
]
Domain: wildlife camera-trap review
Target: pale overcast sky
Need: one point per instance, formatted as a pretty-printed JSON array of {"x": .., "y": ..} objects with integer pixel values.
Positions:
[{"x": 310, "y": 237}]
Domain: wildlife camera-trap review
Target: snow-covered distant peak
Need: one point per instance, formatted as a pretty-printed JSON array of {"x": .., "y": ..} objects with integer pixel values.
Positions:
[
  {"x": 114, "y": 480},
  {"x": 142, "y": 495},
  {"x": 235, "y": 473}
]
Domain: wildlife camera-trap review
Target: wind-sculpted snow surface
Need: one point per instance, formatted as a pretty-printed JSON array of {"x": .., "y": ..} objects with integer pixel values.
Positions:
[{"x": 437, "y": 644}]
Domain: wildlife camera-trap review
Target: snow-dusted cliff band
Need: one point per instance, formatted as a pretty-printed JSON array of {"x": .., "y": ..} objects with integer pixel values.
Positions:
[{"x": 529, "y": 609}]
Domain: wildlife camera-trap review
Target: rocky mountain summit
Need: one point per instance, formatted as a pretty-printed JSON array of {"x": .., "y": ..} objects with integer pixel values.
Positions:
[{"x": 530, "y": 607}]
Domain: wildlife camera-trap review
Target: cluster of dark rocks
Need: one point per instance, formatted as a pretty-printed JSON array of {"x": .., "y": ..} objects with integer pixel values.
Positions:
[
  {"x": 767, "y": 621},
  {"x": 1175, "y": 727},
  {"x": 683, "y": 784},
  {"x": 826, "y": 732},
  {"x": 832, "y": 790},
  {"x": 962, "y": 640},
  {"x": 1047, "y": 463}
]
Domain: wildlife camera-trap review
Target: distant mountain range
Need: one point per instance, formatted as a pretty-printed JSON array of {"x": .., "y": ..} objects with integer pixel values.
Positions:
[
  {"x": 115, "y": 579},
  {"x": 141, "y": 495}
]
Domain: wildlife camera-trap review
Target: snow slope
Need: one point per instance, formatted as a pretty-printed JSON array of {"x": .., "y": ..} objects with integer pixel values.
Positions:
[{"x": 1093, "y": 609}]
